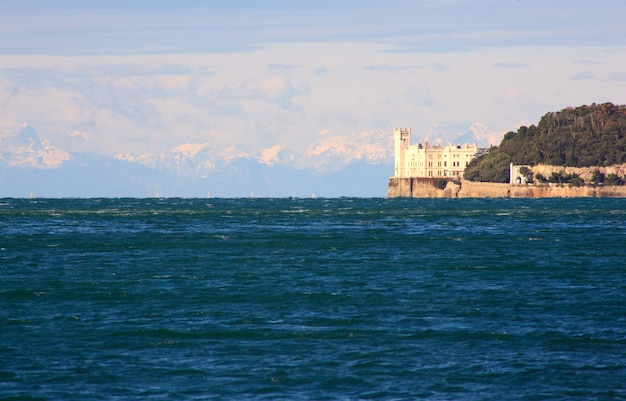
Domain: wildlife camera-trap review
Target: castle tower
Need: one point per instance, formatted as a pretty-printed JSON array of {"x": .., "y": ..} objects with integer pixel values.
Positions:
[{"x": 402, "y": 139}]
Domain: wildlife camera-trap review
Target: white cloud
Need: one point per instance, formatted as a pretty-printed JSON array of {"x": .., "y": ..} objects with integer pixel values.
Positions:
[
  {"x": 271, "y": 88},
  {"x": 79, "y": 134},
  {"x": 235, "y": 99},
  {"x": 150, "y": 76}
]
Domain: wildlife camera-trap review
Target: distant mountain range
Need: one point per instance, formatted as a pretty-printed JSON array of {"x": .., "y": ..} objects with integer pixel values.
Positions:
[{"x": 353, "y": 165}]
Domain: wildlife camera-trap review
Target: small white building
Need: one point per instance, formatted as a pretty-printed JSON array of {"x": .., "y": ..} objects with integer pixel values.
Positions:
[
  {"x": 424, "y": 160},
  {"x": 517, "y": 175}
]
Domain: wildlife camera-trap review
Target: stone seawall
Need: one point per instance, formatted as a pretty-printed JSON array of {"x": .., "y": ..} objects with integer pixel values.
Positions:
[
  {"x": 555, "y": 191},
  {"x": 420, "y": 188},
  {"x": 470, "y": 189},
  {"x": 425, "y": 188}
]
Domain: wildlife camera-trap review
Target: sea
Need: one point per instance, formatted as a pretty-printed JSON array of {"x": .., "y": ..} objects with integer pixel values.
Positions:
[{"x": 313, "y": 299}]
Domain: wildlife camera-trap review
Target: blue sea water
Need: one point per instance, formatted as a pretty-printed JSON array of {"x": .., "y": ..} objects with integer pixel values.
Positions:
[{"x": 326, "y": 299}]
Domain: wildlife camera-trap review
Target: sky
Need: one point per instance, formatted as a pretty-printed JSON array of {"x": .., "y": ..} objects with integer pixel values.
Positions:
[{"x": 145, "y": 76}]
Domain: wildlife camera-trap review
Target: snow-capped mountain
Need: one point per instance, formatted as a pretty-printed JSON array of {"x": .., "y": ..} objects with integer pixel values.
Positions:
[
  {"x": 192, "y": 160},
  {"x": 354, "y": 164},
  {"x": 329, "y": 154},
  {"x": 342, "y": 165},
  {"x": 481, "y": 135},
  {"x": 335, "y": 152},
  {"x": 22, "y": 147},
  {"x": 278, "y": 156},
  {"x": 31, "y": 166},
  {"x": 199, "y": 160}
]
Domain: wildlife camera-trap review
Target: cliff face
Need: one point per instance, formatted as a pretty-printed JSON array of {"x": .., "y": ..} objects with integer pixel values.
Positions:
[{"x": 425, "y": 188}]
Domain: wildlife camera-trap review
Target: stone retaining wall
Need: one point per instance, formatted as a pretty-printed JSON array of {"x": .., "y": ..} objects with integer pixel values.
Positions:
[
  {"x": 584, "y": 172},
  {"x": 425, "y": 188},
  {"x": 471, "y": 189},
  {"x": 420, "y": 188}
]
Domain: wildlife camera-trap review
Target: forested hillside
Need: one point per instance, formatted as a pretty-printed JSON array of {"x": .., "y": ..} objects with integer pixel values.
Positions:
[{"x": 574, "y": 137}]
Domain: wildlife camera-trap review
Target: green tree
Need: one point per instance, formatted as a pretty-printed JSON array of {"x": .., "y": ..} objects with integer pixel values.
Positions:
[
  {"x": 527, "y": 173},
  {"x": 597, "y": 177},
  {"x": 556, "y": 178},
  {"x": 614, "y": 179},
  {"x": 574, "y": 180},
  {"x": 489, "y": 169},
  {"x": 583, "y": 136}
]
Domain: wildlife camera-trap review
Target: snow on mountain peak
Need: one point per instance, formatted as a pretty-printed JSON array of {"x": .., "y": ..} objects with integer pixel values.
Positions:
[
  {"x": 270, "y": 156},
  {"x": 231, "y": 153},
  {"x": 332, "y": 152},
  {"x": 23, "y": 147},
  {"x": 190, "y": 150},
  {"x": 484, "y": 135}
]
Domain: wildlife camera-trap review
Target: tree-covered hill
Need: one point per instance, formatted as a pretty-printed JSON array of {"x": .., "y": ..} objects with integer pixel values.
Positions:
[{"x": 574, "y": 137}]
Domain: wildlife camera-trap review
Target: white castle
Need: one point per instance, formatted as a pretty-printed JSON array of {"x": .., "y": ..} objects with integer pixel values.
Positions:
[{"x": 424, "y": 160}]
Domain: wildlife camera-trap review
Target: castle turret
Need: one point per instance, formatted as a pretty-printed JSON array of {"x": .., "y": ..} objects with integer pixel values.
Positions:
[{"x": 402, "y": 138}]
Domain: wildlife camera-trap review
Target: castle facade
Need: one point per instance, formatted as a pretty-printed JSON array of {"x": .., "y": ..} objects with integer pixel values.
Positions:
[{"x": 432, "y": 161}]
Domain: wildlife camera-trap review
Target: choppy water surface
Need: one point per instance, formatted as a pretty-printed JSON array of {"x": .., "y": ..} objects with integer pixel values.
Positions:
[{"x": 313, "y": 299}]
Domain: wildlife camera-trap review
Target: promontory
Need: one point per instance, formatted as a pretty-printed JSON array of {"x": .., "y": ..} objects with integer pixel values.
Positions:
[{"x": 575, "y": 152}]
